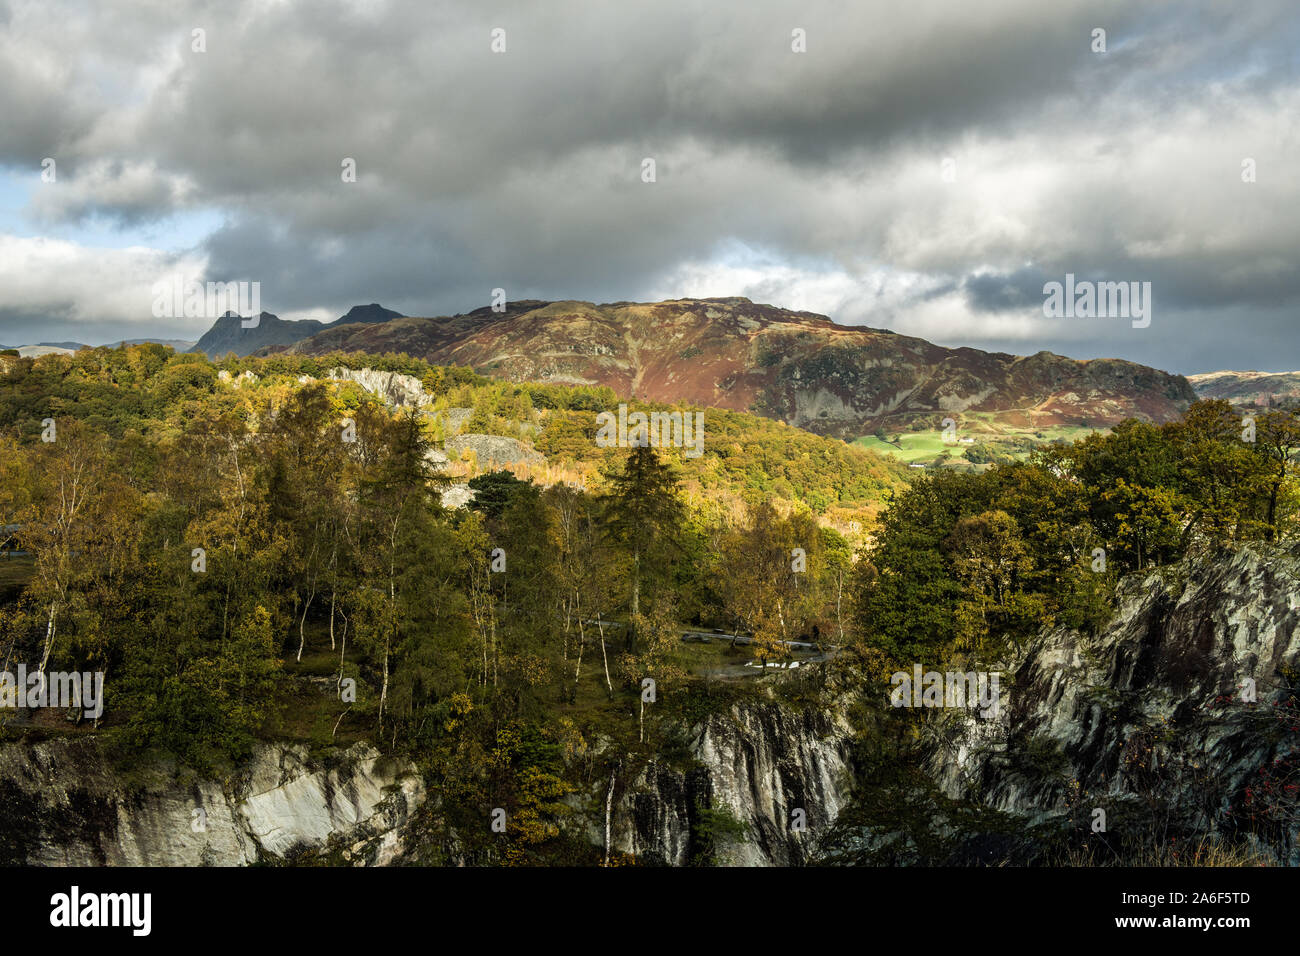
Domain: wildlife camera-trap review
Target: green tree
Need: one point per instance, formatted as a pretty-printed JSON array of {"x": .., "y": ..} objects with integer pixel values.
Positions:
[{"x": 643, "y": 517}]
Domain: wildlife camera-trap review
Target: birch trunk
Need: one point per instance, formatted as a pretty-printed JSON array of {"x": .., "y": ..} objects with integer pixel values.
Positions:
[
  {"x": 343, "y": 651},
  {"x": 50, "y": 630},
  {"x": 609, "y": 685},
  {"x": 582, "y": 642},
  {"x": 332, "y": 645},
  {"x": 609, "y": 811},
  {"x": 302, "y": 625}
]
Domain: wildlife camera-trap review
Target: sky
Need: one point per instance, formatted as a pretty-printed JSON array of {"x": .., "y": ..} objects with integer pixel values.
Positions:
[{"x": 924, "y": 167}]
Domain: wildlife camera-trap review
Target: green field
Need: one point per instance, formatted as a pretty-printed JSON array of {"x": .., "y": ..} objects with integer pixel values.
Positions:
[
  {"x": 911, "y": 447},
  {"x": 991, "y": 442}
]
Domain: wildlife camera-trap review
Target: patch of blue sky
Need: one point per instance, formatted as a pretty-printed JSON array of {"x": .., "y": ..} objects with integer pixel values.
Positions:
[{"x": 177, "y": 232}]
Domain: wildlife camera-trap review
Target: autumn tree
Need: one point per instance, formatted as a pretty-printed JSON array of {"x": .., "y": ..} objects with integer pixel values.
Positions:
[
  {"x": 1277, "y": 439},
  {"x": 990, "y": 559},
  {"x": 765, "y": 581},
  {"x": 76, "y": 509}
]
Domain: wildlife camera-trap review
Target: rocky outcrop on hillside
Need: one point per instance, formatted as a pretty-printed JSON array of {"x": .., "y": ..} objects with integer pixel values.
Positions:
[
  {"x": 799, "y": 367},
  {"x": 457, "y": 496},
  {"x": 398, "y": 390},
  {"x": 456, "y": 418},
  {"x": 493, "y": 451},
  {"x": 244, "y": 377}
]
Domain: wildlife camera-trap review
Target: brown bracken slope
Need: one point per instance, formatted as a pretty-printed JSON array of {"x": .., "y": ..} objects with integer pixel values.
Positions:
[{"x": 798, "y": 367}]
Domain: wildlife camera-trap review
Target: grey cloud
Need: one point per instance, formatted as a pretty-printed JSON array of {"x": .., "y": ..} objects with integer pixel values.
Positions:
[
  {"x": 522, "y": 170},
  {"x": 989, "y": 292}
]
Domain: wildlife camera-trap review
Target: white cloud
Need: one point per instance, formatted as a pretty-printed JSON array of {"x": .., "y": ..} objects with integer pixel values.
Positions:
[{"x": 80, "y": 284}]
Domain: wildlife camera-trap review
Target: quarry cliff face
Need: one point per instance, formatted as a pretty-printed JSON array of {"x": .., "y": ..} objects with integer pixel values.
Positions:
[
  {"x": 1178, "y": 719},
  {"x": 1179, "y": 715},
  {"x": 759, "y": 762},
  {"x": 66, "y": 805},
  {"x": 781, "y": 773},
  {"x": 799, "y": 367}
]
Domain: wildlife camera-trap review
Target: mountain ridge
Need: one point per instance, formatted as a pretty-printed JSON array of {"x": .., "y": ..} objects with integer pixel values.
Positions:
[
  {"x": 795, "y": 366},
  {"x": 1247, "y": 387}
]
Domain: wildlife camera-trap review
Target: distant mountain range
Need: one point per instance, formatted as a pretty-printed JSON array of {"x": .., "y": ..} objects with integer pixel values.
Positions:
[
  {"x": 45, "y": 348},
  {"x": 180, "y": 345},
  {"x": 67, "y": 348},
  {"x": 229, "y": 335},
  {"x": 731, "y": 353},
  {"x": 1247, "y": 388}
]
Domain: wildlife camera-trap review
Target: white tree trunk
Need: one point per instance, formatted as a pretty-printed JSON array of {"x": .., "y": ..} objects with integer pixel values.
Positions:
[
  {"x": 343, "y": 651},
  {"x": 302, "y": 625},
  {"x": 50, "y": 630},
  {"x": 609, "y": 811},
  {"x": 383, "y": 691},
  {"x": 332, "y": 596},
  {"x": 604, "y": 656},
  {"x": 582, "y": 642}
]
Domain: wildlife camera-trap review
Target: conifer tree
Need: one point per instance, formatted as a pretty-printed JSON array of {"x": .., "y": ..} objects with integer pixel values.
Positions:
[{"x": 644, "y": 514}]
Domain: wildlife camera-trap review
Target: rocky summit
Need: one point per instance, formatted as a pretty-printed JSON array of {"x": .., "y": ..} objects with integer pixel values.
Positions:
[{"x": 245, "y": 335}]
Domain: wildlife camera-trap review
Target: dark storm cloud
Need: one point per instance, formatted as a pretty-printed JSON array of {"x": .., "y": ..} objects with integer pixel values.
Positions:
[
  {"x": 989, "y": 292},
  {"x": 522, "y": 170}
]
